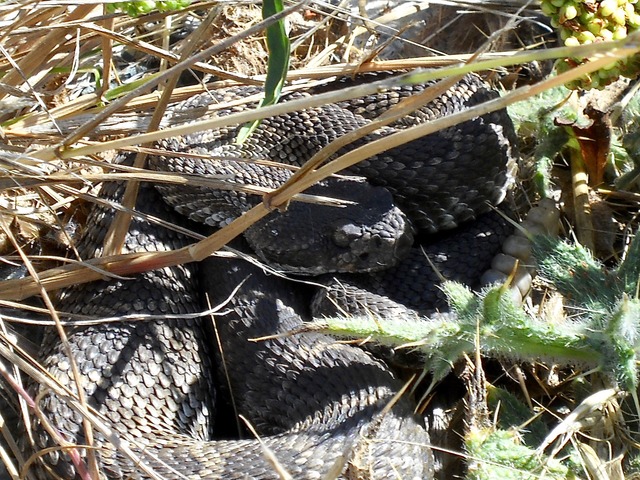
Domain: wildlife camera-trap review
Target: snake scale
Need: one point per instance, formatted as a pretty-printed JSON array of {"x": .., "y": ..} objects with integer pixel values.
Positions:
[{"x": 322, "y": 409}]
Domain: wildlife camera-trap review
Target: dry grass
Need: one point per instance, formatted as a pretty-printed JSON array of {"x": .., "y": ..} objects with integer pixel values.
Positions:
[{"x": 57, "y": 138}]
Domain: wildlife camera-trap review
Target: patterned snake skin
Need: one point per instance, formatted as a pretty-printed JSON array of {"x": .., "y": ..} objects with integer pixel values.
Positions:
[
  {"x": 321, "y": 409},
  {"x": 438, "y": 181},
  {"x": 318, "y": 406}
]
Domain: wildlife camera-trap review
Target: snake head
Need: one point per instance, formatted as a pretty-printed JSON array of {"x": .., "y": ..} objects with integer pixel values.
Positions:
[
  {"x": 375, "y": 243},
  {"x": 369, "y": 233}
]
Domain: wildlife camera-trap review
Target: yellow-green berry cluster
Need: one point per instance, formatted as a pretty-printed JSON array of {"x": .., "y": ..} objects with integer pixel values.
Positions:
[
  {"x": 141, "y": 7},
  {"x": 581, "y": 22}
]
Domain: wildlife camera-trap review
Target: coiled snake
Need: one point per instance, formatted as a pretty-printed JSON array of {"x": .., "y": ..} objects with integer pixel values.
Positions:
[{"x": 322, "y": 409}]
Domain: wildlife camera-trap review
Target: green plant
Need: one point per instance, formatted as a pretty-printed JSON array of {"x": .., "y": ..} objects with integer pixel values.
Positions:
[
  {"x": 580, "y": 22},
  {"x": 142, "y": 7}
]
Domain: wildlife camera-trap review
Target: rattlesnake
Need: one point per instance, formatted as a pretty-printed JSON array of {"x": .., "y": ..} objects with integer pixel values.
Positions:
[{"x": 323, "y": 409}]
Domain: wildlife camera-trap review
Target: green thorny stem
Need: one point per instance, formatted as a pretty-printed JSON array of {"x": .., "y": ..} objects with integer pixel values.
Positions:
[{"x": 605, "y": 337}]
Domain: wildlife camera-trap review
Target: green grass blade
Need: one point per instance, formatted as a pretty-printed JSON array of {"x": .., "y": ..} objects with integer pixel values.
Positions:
[{"x": 278, "y": 64}]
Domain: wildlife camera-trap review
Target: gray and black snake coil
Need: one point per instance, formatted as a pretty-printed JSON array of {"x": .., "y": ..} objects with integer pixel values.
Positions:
[{"x": 323, "y": 409}]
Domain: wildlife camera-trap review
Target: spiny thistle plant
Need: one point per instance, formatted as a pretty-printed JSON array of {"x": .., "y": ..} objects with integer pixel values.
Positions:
[
  {"x": 610, "y": 317},
  {"x": 498, "y": 454},
  {"x": 605, "y": 336}
]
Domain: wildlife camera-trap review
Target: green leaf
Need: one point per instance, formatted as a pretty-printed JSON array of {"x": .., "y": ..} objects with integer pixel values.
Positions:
[
  {"x": 576, "y": 274},
  {"x": 277, "y": 67},
  {"x": 621, "y": 334},
  {"x": 499, "y": 454}
]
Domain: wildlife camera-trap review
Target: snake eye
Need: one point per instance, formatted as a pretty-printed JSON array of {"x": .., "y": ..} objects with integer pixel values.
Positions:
[{"x": 345, "y": 233}]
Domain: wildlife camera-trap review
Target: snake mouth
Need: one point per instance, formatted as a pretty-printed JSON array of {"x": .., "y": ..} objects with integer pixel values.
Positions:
[
  {"x": 372, "y": 251},
  {"x": 403, "y": 246}
]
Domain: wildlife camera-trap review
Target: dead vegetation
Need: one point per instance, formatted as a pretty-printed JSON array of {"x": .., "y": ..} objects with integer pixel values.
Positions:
[{"x": 76, "y": 88}]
